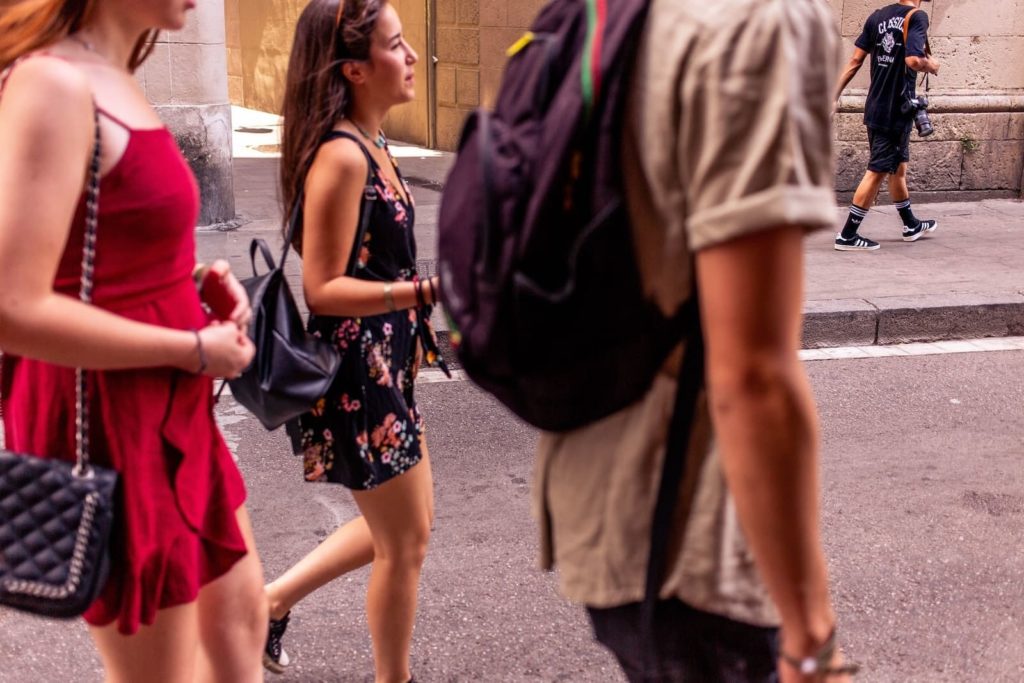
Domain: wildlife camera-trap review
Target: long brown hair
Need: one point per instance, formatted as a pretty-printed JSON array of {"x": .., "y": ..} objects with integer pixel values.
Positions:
[
  {"x": 316, "y": 94},
  {"x": 28, "y": 25}
]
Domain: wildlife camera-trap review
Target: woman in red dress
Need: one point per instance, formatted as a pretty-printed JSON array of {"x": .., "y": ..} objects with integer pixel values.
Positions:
[{"x": 185, "y": 600}]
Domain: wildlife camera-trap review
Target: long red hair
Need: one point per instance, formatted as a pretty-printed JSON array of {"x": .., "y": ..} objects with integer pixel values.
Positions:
[{"x": 28, "y": 25}]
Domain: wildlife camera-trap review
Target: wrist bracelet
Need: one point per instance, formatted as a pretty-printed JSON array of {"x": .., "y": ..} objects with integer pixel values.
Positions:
[
  {"x": 430, "y": 298},
  {"x": 202, "y": 353},
  {"x": 820, "y": 663},
  {"x": 389, "y": 296},
  {"x": 418, "y": 287}
]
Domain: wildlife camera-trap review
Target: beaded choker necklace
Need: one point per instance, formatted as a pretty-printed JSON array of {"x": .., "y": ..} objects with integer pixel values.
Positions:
[{"x": 380, "y": 142}]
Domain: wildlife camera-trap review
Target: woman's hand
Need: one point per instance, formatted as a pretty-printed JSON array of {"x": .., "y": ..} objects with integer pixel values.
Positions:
[
  {"x": 241, "y": 314},
  {"x": 227, "y": 350}
]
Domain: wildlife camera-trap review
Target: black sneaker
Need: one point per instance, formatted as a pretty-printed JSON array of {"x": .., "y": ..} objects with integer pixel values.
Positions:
[
  {"x": 915, "y": 233},
  {"x": 275, "y": 659},
  {"x": 856, "y": 243}
]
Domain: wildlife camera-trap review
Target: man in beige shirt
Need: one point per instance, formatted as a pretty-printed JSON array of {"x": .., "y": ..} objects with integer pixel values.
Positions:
[{"x": 729, "y": 162}]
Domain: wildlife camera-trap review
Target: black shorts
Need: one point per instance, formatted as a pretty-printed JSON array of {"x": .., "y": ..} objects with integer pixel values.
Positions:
[{"x": 889, "y": 149}]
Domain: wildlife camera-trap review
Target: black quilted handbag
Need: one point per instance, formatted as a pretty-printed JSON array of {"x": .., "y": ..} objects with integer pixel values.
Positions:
[
  {"x": 292, "y": 369},
  {"x": 55, "y": 516}
]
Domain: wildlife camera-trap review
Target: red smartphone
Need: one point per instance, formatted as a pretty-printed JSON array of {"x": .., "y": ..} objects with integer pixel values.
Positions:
[{"x": 217, "y": 296}]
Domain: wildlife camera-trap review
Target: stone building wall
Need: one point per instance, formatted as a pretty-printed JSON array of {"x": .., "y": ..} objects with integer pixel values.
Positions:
[
  {"x": 185, "y": 78},
  {"x": 977, "y": 102},
  {"x": 472, "y": 37},
  {"x": 259, "y": 40}
]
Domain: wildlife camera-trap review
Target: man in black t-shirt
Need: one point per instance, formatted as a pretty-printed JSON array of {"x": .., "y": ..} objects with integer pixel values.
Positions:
[{"x": 897, "y": 54}]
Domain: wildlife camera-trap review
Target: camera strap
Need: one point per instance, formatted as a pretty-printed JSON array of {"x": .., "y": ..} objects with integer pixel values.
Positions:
[{"x": 906, "y": 32}]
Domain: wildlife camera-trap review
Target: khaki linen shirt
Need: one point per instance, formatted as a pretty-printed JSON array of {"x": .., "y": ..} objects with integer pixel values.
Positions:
[{"x": 727, "y": 134}]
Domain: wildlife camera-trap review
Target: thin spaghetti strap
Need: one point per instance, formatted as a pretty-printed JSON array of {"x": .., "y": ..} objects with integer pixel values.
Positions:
[
  {"x": 335, "y": 134},
  {"x": 113, "y": 119},
  {"x": 394, "y": 165}
]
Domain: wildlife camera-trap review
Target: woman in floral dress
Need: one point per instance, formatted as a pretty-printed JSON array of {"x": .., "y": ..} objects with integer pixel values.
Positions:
[{"x": 349, "y": 65}]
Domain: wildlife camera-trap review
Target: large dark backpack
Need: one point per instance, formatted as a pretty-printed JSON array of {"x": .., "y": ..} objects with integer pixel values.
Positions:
[{"x": 538, "y": 269}]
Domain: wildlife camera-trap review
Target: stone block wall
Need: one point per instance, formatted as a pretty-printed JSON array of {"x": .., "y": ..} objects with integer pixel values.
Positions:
[
  {"x": 472, "y": 38},
  {"x": 185, "y": 78},
  {"x": 259, "y": 40},
  {"x": 259, "y": 37},
  {"x": 458, "y": 66},
  {"x": 977, "y": 102},
  {"x": 978, "y": 99}
]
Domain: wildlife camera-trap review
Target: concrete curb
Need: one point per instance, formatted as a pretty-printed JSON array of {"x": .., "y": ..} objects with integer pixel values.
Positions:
[
  {"x": 900, "y": 320},
  {"x": 884, "y": 321}
]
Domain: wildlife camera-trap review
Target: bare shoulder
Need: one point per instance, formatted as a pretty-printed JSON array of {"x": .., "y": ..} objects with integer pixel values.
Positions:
[
  {"x": 49, "y": 77},
  {"x": 342, "y": 156},
  {"x": 36, "y": 84},
  {"x": 338, "y": 168}
]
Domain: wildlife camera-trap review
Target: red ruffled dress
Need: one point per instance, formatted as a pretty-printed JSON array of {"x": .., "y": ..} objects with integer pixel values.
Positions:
[{"x": 175, "y": 526}]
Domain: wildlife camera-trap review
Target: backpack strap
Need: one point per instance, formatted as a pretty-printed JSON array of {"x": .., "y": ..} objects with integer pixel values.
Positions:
[
  {"x": 369, "y": 196},
  {"x": 691, "y": 381},
  {"x": 365, "y": 207}
]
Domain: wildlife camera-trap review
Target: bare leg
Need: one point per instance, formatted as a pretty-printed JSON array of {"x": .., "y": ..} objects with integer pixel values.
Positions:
[
  {"x": 399, "y": 514},
  {"x": 165, "y": 651},
  {"x": 348, "y": 548},
  {"x": 233, "y": 619},
  {"x": 898, "y": 190},
  {"x": 868, "y": 189}
]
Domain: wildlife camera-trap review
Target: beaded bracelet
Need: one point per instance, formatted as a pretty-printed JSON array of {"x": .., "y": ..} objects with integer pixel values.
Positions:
[
  {"x": 418, "y": 287},
  {"x": 820, "y": 663},
  {"x": 202, "y": 353}
]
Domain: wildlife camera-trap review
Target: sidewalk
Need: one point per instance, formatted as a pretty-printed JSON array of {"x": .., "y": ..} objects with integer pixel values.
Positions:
[{"x": 964, "y": 281}]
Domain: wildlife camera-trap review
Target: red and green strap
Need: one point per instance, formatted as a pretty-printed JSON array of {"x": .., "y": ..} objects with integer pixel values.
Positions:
[{"x": 597, "y": 15}]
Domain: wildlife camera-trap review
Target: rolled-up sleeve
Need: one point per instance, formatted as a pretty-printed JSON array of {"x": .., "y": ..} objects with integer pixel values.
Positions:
[{"x": 755, "y": 143}]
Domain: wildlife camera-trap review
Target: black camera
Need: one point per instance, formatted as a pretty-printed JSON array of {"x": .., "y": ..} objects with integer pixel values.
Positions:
[{"x": 918, "y": 106}]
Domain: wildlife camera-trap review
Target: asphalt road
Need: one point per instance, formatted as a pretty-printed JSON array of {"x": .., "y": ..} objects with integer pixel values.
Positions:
[{"x": 923, "y": 510}]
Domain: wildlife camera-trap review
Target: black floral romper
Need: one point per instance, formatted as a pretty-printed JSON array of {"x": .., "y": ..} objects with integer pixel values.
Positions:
[{"x": 367, "y": 429}]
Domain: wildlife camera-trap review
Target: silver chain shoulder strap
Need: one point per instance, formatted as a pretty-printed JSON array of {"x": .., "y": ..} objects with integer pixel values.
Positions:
[
  {"x": 92, "y": 203},
  {"x": 92, "y": 219}
]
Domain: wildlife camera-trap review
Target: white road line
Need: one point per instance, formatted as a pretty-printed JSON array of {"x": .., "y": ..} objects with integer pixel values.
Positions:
[
  {"x": 930, "y": 349},
  {"x": 433, "y": 375}
]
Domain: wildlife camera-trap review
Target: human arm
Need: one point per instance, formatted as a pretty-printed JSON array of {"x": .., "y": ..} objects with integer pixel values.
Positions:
[
  {"x": 924, "y": 65},
  {"x": 849, "y": 71},
  {"x": 755, "y": 182},
  {"x": 918, "y": 57},
  {"x": 42, "y": 172},
  {"x": 764, "y": 419},
  {"x": 334, "y": 194}
]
